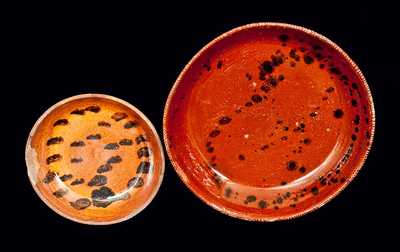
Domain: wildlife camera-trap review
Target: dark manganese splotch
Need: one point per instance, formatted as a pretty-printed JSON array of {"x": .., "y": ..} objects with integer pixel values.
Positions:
[
  {"x": 93, "y": 108},
  {"x": 53, "y": 158},
  {"x": 104, "y": 124},
  {"x": 140, "y": 139},
  {"x": 130, "y": 124},
  {"x": 66, "y": 177},
  {"x": 98, "y": 180},
  {"x": 60, "y": 122},
  {"x": 125, "y": 142},
  {"x": 81, "y": 204},
  {"x": 50, "y": 175},
  {"x": 104, "y": 168},
  {"x": 144, "y": 167},
  {"x": 111, "y": 146},
  {"x": 114, "y": 160},
  {"x": 143, "y": 152},
  {"x": 60, "y": 193},
  {"x": 76, "y": 160},
  {"x": 135, "y": 182},
  {"x": 78, "y": 112},
  {"x": 77, "y": 144},
  {"x": 78, "y": 181},
  {"x": 118, "y": 116},
  {"x": 100, "y": 196},
  {"x": 94, "y": 137},
  {"x": 55, "y": 140}
]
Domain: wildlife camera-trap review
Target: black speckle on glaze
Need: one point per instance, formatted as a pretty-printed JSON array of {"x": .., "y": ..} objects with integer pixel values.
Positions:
[
  {"x": 224, "y": 120},
  {"x": 219, "y": 64},
  {"x": 248, "y": 104},
  {"x": 250, "y": 199},
  {"x": 241, "y": 157},
  {"x": 214, "y": 133},
  {"x": 330, "y": 89},
  {"x": 291, "y": 165},
  {"x": 308, "y": 59},
  {"x": 314, "y": 190},
  {"x": 256, "y": 98},
  {"x": 338, "y": 113},
  {"x": 228, "y": 192},
  {"x": 262, "y": 204},
  {"x": 265, "y": 68},
  {"x": 283, "y": 38}
]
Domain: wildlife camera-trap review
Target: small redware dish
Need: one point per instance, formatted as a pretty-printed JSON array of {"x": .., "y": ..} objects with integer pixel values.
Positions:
[
  {"x": 269, "y": 121},
  {"x": 94, "y": 159}
]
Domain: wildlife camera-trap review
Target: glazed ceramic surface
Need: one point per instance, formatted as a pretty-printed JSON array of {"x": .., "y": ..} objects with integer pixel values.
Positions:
[
  {"x": 95, "y": 159},
  {"x": 269, "y": 121}
]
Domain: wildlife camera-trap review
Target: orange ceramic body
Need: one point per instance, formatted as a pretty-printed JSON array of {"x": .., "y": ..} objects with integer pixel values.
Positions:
[
  {"x": 95, "y": 159},
  {"x": 268, "y": 121}
]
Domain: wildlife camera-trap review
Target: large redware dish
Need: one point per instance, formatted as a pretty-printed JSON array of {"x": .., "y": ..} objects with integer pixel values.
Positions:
[{"x": 269, "y": 121}]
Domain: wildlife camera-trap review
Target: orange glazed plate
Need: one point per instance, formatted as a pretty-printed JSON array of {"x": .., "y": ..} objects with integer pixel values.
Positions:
[
  {"x": 269, "y": 121},
  {"x": 95, "y": 159}
]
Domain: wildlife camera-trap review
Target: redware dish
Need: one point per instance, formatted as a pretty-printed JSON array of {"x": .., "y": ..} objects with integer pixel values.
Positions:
[
  {"x": 269, "y": 121},
  {"x": 95, "y": 159}
]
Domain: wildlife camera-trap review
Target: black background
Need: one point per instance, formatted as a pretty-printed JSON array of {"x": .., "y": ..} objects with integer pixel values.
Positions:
[{"x": 135, "y": 53}]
